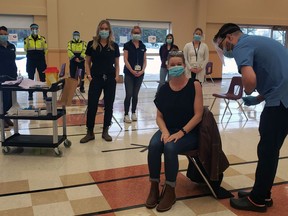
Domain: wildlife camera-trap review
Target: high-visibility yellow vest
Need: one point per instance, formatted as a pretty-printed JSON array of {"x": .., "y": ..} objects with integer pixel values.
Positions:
[
  {"x": 35, "y": 46},
  {"x": 76, "y": 49}
]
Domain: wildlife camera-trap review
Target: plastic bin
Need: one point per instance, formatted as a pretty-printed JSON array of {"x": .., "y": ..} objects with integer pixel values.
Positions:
[{"x": 51, "y": 74}]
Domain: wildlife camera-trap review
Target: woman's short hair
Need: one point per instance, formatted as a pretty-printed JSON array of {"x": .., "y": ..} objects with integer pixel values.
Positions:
[{"x": 136, "y": 27}]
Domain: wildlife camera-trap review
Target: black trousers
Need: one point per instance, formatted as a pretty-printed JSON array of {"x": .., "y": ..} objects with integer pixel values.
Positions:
[
  {"x": 273, "y": 130},
  {"x": 73, "y": 68},
  {"x": 32, "y": 65},
  {"x": 96, "y": 86},
  {"x": 7, "y": 100}
]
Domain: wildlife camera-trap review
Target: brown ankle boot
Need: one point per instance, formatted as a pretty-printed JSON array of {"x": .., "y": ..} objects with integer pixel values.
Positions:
[
  {"x": 105, "y": 135},
  {"x": 167, "y": 199},
  {"x": 153, "y": 196},
  {"x": 89, "y": 136}
]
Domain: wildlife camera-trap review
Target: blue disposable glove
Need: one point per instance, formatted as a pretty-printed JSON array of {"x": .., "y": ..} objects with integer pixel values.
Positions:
[{"x": 250, "y": 100}]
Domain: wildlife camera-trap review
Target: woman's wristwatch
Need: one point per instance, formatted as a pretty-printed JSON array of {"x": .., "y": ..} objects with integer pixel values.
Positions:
[{"x": 184, "y": 132}]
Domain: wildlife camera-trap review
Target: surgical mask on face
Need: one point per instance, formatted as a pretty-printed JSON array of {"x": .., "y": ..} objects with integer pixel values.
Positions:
[
  {"x": 176, "y": 71},
  {"x": 169, "y": 41},
  {"x": 197, "y": 37},
  {"x": 76, "y": 37},
  {"x": 34, "y": 31},
  {"x": 136, "y": 36},
  {"x": 228, "y": 53},
  {"x": 104, "y": 34},
  {"x": 3, "y": 38}
]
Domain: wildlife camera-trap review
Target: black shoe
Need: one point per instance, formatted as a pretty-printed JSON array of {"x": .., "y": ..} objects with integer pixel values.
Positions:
[
  {"x": 245, "y": 204},
  {"x": 82, "y": 90},
  {"x": 241, "y": 194}
]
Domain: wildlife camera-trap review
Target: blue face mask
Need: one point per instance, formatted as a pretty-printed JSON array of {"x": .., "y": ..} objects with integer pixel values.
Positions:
[
  {"x": 169, "y": 41},
  {"x": 136, "y": 37},
  {"x": 228, "y": 53},
  {"x": 197, "y": 37},
  {"x": 104, "y": 34},
  {"x": 176, "y": 71},
  {"x": 3, "y": 38}
]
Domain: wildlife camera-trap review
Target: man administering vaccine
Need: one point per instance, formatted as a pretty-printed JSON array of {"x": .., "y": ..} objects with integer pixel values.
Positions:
[{"x": 263, "y": 64}]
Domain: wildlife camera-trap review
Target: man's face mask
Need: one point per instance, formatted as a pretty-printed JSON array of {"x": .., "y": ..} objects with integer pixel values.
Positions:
[
  {"x": 3, "y": 38},
  {"x": 34, "y": 31},
  {"x": 76, "y": 37},
  {"x": 223, "y": 48}
]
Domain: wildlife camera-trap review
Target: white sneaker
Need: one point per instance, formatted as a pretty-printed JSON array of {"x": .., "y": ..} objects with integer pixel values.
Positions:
[
  {"x": 134, "y": 117},
  {"x": 127, "y": 119}
]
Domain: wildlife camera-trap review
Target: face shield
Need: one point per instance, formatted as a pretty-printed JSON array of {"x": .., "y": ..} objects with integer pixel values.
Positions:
[{"x": 218, "y": 45}]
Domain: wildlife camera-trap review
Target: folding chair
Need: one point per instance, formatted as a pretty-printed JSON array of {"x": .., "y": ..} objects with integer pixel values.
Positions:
[
  {"x": 234, "y": 93},
  {"x": 209, "y": 70},
  {"x": 193, "y": 155}
]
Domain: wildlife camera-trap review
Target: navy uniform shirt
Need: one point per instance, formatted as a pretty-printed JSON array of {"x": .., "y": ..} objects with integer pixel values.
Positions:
[
  {"x": 135, "y": 55},
  {"x": 103, "y": 59},
  {"x": 7, "y": 60}
]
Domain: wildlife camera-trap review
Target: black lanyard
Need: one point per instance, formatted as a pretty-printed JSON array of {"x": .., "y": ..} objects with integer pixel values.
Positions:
[{"x": 196, "y": 52}]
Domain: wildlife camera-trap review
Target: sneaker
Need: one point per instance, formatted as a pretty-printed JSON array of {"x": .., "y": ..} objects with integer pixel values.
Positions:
[
  {"x": 127, "y": 119},
  {"x": 134, "y": 117}
]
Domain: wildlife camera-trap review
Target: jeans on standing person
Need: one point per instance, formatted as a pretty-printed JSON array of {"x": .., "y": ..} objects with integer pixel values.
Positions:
[
  {"x": 132, "y": 88},
  {"x": 273, "y": 129},
  {"x": 170, "y": 150},
  {"x": 163, "y": 75}
]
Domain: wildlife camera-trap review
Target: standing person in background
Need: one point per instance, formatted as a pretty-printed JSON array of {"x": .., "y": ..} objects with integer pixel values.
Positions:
[
  {"x": 135, "y": 64},
  {"x": 196, "y": 55},
  {"x": 102, "y": 69},
  {"x": 262, "y": 62},
  {"x": 8, "y": 69},
  {"x": 76, "y": 52},
  {"x": 163, "y": 52},
  {"x": 35, "y": 47}
]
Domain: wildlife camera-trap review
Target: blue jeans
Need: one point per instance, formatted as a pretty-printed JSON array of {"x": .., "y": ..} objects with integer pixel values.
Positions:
[
  {"x": 273, "y": 129},
  {"x": 171, "y": 150},
  {"x": 163, "y": 75},
  {"x": 132, "y": 88}
]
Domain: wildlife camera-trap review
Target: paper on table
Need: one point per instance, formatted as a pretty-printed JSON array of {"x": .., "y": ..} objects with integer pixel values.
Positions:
[
  {"x": 13, "y": 82},
  {"x": 28, "y": 83}
]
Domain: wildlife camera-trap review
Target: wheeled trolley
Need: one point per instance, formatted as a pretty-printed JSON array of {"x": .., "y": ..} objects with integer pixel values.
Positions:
[{"x": 43, "y": 141}]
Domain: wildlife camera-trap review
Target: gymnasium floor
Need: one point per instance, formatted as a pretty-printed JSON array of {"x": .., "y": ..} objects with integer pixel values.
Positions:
[{"x": 111, "y": 178}]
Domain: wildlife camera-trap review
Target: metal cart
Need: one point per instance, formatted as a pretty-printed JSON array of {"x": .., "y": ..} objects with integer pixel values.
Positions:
[{"x": 21, "y": 140}]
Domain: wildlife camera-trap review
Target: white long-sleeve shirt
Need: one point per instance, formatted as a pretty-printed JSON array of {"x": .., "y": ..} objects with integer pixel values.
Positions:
[{"x": 201, "y": 61}]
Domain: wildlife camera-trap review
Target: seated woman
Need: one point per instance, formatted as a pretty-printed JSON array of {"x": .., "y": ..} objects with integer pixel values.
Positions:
[{"x": 179, "y": 110}]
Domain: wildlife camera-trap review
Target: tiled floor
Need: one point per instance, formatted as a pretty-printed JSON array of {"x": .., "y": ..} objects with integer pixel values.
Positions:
[{"x": 111, "y": 178}]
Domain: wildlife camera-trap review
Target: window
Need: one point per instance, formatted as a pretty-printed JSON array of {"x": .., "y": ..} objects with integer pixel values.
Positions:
[
  {"x": 278, "y": 33},
  {"x": 153, "y": 36}
]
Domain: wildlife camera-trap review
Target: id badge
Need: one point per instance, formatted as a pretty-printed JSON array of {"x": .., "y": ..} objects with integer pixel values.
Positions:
[{"x": 137, "y": 68}]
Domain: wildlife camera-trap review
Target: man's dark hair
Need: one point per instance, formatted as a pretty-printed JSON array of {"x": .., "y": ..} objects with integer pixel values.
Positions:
[
  {"x": 3, "y": 28},
  {"x": 227, "y": 28}
]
